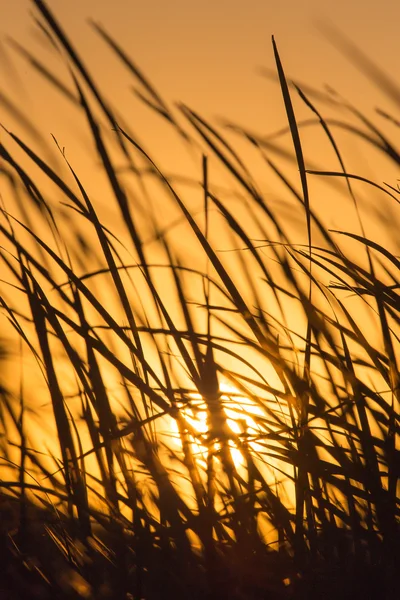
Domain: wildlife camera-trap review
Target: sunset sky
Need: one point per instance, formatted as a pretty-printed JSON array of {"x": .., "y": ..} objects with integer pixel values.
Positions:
[{"x": 206, "y": 54}]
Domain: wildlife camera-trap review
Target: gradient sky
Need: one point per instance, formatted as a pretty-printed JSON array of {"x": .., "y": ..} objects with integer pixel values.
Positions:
[
  {"x": 205, "y": 54},
  {"x": 208, "y": 51}
]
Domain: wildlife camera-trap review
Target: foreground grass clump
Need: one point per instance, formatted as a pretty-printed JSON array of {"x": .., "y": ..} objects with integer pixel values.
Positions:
[{"x": 183, "y": 422}]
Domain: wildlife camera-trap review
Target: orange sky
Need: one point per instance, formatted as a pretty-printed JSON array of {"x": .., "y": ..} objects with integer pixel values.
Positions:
[
  {"x": 202, "y": 53},
  {"x": 205, "y": 53}
]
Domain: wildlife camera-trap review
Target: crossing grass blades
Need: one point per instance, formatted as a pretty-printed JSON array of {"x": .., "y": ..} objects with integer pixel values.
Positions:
[{"x": 288, "y": 488}]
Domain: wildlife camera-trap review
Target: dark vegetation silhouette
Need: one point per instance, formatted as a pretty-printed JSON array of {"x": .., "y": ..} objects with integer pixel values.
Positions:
[{"x": 311, "y": 509}]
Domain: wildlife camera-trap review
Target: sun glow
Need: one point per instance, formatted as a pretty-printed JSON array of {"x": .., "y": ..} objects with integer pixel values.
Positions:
[
  {"x": 198, "y": 365},
  {"x": 242, "y": 435}
]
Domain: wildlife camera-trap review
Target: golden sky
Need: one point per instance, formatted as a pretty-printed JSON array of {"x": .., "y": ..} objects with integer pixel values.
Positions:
[{"x": 205, "y": 54}]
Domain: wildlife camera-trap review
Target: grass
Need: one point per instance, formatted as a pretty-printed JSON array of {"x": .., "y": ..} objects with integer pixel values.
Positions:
[{"x": 185, "y": 422}]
